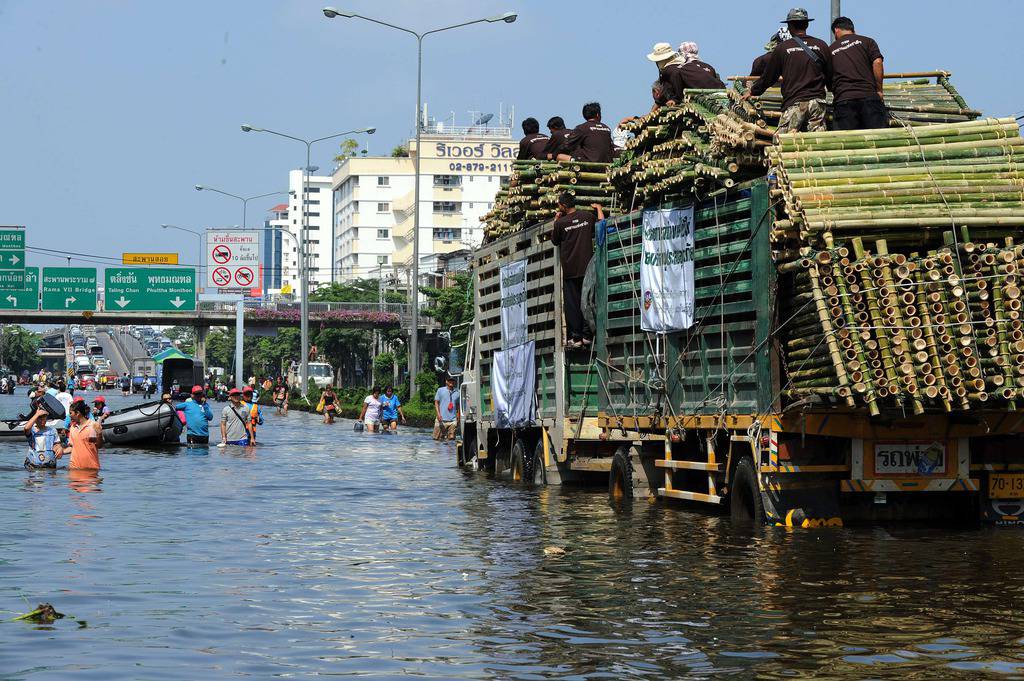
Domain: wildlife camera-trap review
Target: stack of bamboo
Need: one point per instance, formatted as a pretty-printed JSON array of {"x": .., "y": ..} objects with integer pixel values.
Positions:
[
  {"x": 532, "y": 194},
  {"x": 905, "y": 184},
  {"x": 941, "y": 330},
  {"x": 699, "y": 145},
  {"x": 917, "y": 101}
]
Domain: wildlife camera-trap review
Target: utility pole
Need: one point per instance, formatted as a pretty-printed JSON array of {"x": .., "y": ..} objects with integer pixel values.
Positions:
[{"x": 836, "y": 10}]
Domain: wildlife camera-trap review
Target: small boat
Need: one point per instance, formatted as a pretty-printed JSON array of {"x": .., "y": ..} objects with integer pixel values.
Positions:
[
  {"x": 151, "y": 422},
  {"x": 13, "y": 429}
]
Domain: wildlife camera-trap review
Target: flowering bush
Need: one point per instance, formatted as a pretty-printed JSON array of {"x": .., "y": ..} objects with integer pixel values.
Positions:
[{"x": 372, "y": 316}]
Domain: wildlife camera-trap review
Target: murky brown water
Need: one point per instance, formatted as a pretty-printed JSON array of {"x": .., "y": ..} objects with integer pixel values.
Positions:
[{"x": 373, "y": 556}]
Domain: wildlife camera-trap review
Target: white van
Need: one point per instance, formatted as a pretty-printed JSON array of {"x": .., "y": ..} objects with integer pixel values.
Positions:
[{"x": 322, "y": 374}]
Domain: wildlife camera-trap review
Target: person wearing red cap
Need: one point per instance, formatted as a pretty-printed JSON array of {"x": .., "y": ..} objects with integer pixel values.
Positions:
[
  {"x": 255, "y": 413},
  {"x": 235, "y": 422},
  {"x": 100, "y": 410},
  {"x": 197, "y": 417}
]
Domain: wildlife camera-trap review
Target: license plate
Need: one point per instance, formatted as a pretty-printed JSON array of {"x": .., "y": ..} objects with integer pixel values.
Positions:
[
  {"x": 1006, "y": 486},
  {"x": 910, "y": 458}
]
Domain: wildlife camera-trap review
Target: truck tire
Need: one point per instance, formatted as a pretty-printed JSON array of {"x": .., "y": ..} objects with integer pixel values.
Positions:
[
  {"x": 517, "y": 461},
  {"x": 620, "y": 477},
  {"x": 467, "y": 448},
  {"x": 535, "y": 473},
  {"x": 744, "y": 496}
]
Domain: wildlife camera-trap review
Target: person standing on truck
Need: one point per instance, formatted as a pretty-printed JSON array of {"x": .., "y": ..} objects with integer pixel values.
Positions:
[
  {"x": 687, "y": 71},
  {"x": 590, "y": 141},
  {"x": 574, "y": 235},
  {"x": 531, "y": 147},
  {"x": 556, "y": 138},
  {"x": 858, "y": 70},
  {"x": 804, "y": 64},
  {"x": 197, "y": 417},
  {"x": 448, "y": 408},
  {"x": 757, "y": 68},
  {"x": 662, "y": 55}
]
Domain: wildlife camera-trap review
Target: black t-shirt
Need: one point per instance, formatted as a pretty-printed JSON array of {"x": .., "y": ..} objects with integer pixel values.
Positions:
[
  {"x": 694, "y": 75},
  {"x": 590, "y": 142},
  {"x": 556, "y": 143},
  {"x": 802, "y": 79},
  {"x": 575, "y": 234},
  {"x": 532, "y": 146},
  {"x": 757, "y": 68},
  {"x": 852, "y": 74}
]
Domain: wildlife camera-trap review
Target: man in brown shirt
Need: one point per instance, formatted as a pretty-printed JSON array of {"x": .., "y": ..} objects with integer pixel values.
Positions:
[
  {"x": 531, "y": 147},
  {"x": 757, "y": 68},
  {"x": 803, "y": 63},
  {"x": 857, "y": 72},
  {"x": 556, "y": 138},
  {"x": 687, "y": 71},
  {"x": 574, "y": 235},
  {"x": 590, "y": 141}
]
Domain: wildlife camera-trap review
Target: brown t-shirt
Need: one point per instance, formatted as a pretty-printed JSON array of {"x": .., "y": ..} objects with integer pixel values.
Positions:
[
  {"x": 852, "y": 75},
  {"x": 556, "y": 143},
  {"x": 590, "y": 142},
  {"x": 757, "y": 68},
  {"x": 532, "y": 146},
  {"x": 695, "y": 75},
  {"x": 802, "y": 79},
  {"x": 575, "y": 234}
]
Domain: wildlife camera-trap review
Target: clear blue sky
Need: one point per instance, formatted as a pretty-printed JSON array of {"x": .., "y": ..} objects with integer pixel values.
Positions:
[{"x": 113, "y": 110}]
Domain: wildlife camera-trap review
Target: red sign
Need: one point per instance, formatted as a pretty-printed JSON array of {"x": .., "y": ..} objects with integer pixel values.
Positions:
[
  {"x": 221, "y": 276},
  {"x": 244, "y": 276},
  {"x": 221, "y": 254}
]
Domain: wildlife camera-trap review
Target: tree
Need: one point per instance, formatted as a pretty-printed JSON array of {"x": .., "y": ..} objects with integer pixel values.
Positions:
[
  {"x": 18, "y": 348},
  {"x": 452, "y": 306},
  {"x": 186, "y": 336},
  {"x": 400, "y": 151},
  {"x": 348, "y": 147}
]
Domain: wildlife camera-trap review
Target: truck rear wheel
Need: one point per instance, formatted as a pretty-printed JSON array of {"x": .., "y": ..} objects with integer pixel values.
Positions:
[
  {"x": 517, "y": 461},
  {"x": 467, "y": 448},
  {"x": 535, "y": 473},
  {"x": 620, "y": 477},
  {"x": 744, "y": 496}
]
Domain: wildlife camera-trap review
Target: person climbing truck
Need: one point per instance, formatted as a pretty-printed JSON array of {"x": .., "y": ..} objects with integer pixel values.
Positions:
[{"x": 574, "y": 235}]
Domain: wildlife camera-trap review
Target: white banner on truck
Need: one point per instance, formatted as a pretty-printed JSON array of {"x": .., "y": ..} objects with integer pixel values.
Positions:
[
  {"x": 513, "y": 304},
  {"x": 666, "y": 270},
  {"x": 513, "y": 386}
]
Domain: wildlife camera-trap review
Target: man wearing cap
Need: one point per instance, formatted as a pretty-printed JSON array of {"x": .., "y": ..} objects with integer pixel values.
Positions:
[
  {"x": 804, "y": 63},
  {"x": 688, "y": 72},
  {"x": 197, "y": 417},
  {"x": 255, "y": 413},
  {"x": 757, "y": 68},
  {"x": 857, "y": 72},
  {"x": 100, "y": 410},
  {"x": 662, "y": 54},
  {"x": 235, "y": 423}
]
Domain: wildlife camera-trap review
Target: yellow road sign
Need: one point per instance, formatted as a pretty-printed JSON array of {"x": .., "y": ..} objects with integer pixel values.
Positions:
[{"x": 149, "y": 258}]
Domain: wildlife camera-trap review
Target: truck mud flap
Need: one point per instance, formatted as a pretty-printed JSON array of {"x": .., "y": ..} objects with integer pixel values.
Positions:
[{"x": 807, "y": 507}]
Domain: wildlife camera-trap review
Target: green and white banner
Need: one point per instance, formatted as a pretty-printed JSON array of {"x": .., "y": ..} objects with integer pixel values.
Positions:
[
  {"x": 513, "y": 304},
  {"x": 666, "y": 270}
]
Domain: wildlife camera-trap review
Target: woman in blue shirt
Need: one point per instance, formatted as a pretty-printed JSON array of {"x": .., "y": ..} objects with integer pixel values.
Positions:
[{"x": 390, "y": 409}]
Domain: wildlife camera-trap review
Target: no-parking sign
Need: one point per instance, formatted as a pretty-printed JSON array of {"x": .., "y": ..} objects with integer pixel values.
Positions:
[{"x": 233, "y": 260}]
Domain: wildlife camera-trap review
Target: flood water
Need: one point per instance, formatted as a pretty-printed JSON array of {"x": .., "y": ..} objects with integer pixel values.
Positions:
[{"x": 329, "y": 552}]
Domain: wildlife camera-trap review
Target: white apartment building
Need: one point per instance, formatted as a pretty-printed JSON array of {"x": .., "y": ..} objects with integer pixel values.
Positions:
[
  {"x": 320, "y": 213},
  {"x": 460, "y": 173}
]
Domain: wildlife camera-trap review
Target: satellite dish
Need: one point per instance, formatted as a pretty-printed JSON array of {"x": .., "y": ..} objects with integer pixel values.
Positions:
[{"x": 485, "y": 119}]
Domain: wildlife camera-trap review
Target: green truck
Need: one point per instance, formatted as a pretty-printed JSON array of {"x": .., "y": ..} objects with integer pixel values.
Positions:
[{"x": 702, "y": 416}]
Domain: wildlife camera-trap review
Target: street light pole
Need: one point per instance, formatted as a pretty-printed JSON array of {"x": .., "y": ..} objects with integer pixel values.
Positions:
[
  {"x": 244, "y": 199},
  {"x": 508, "y": 18},
  {"x": 303, "y": 247}
]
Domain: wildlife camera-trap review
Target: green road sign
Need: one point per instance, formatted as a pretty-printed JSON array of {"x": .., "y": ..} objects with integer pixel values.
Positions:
[
  {"x": 12, "y": 258},
  {"x": 26, "y": 298},
  {"x": 150, "y": 289},
  {"x": 69, "y": 288}
]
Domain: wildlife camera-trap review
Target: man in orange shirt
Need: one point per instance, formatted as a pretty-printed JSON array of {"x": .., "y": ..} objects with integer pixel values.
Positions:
[{"x": 85, "y": 436}]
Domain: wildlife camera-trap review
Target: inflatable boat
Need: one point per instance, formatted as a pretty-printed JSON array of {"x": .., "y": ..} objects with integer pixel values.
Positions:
[
  {"x": 12, "y": 430},
  {"x": 148, "y": 423}
]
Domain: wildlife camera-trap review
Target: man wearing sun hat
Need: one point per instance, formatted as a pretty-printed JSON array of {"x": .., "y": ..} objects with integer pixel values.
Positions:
[
  {"x": 197, "y": 417},
  {"x": 662, "y": 54},
  {"x": 804, "y": 63}
]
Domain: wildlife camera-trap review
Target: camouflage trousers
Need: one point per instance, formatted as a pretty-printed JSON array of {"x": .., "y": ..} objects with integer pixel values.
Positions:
[{"x": 806, "y": 116}]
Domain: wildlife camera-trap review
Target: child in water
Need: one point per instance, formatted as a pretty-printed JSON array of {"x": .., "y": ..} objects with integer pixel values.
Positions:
[{"x": 44, "y": 443}]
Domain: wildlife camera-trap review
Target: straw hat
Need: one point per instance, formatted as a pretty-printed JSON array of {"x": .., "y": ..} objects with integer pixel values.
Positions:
[{"x": 661, "y": 52}]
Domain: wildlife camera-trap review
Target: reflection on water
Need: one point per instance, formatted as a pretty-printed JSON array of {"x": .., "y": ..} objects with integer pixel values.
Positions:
[{"x": 325, "y": 551}]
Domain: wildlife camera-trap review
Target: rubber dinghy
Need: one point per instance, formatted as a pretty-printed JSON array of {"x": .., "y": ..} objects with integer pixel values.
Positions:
[
  {"x": 151, "y": 422},
  {"x": 12, "y": 429}
]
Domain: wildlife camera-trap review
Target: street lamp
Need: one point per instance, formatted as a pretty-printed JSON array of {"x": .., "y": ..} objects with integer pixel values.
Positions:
[
  {"x": 244, "y": 199},
  {"x": 304, "y": 236},
  {"x": 199, "y": 235},
  {"x": 508, "y": 18}
]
